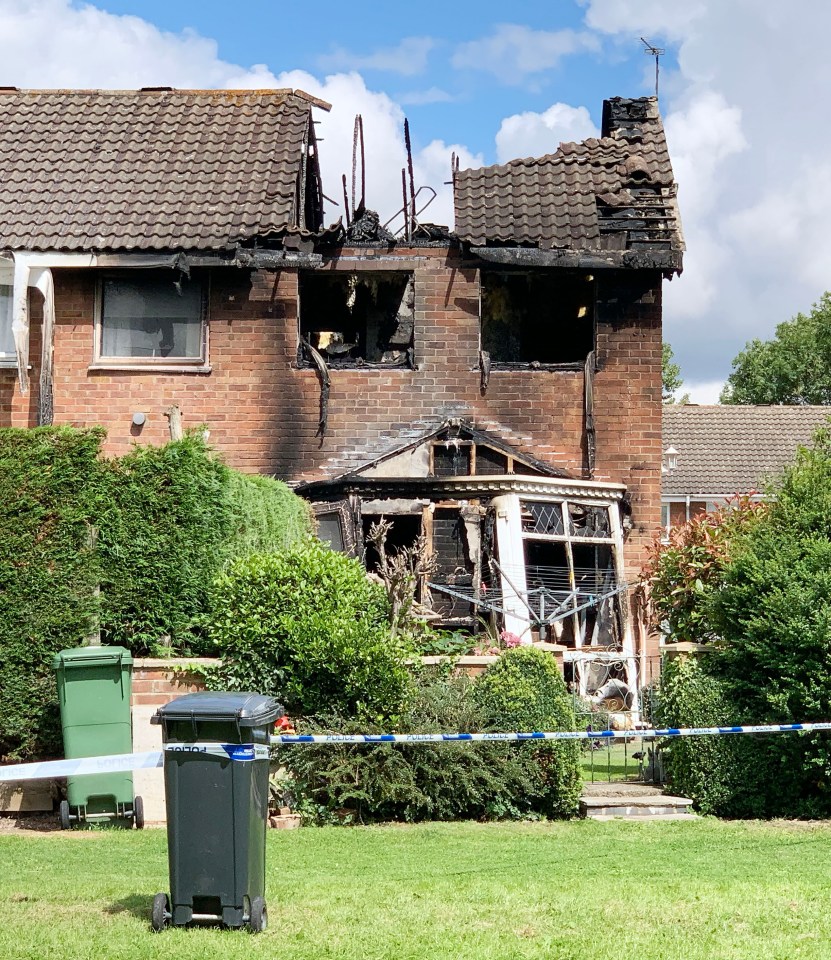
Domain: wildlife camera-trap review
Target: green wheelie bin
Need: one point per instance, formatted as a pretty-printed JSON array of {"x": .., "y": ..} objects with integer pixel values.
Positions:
[
  {"x": 94, "y": 693},
  {"x": 216, "y": 758}
]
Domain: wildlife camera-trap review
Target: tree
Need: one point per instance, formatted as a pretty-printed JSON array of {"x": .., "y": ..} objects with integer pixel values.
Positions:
[
  {"x": 792, "y": 368},
  {"x": 671, "y": 377}
]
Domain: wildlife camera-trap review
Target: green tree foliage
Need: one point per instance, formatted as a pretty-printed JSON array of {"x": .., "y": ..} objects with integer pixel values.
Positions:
[
  {"x": 671, "y": 380},
  {"x": 524, "y": 691},
  {"x": 792, "y": 368},
  {"x": 307, "y": 626},
  {"x": 50, "y": 496}
]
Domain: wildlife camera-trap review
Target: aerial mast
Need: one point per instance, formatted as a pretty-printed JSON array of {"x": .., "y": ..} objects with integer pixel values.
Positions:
[{"x": 657, "y": 52}]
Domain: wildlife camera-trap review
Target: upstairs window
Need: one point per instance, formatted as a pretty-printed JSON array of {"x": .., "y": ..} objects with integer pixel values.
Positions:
[
  {"x": 358, "y": 319},
  {"x": 537, "y": 319},
  {"x": 153, "y": 318},
  {"x": 8, "y": 356}
]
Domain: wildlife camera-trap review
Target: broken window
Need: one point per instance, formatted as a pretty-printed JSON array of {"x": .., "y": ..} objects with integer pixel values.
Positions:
[
  {"x": 7, "y": 351},
  {"x": 454, "y": 564},
  {"x": 151, "y": 317},
  {"x": 358, "y": 319},
  {"x": 335, "y": 526},
  {"x": 537, "y": 318}
]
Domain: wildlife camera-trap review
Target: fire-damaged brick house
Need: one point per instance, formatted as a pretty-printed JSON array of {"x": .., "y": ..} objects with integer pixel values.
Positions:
[{"x": 496, "y": 389}]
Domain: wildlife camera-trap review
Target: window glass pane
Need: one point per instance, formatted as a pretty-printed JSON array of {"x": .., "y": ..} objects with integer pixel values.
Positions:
[
  {"x": 329, "y": 530},
  {"x": 151, "y": 316},
  {"x": 6, "y": 338}
]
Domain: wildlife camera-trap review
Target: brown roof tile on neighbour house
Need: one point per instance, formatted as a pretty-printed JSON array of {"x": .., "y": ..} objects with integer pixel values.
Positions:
[
  {"x": 724, "y": 450},
  {"x": 612, "y": 193},
  {"x": 150, "y": 169}
]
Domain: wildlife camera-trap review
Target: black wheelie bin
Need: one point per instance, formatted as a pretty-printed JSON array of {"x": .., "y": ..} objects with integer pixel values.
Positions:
[{"x": 216, "y": 757}]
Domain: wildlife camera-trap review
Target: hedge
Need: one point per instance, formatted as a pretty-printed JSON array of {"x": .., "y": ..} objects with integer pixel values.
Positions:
[
  {"x": 151, "y": 530},
  {"x": 51, "y": 492}
]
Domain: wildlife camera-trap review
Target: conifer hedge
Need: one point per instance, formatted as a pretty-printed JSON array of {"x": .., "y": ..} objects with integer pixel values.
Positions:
[
  {"x": 51, "y": 491},
  {"x": 125, "y": 547}
]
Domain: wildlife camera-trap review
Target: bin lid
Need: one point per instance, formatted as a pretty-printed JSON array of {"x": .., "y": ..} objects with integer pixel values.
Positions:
[
  {"x": 246, "y": 709},
  {"x": 87, "y": 656}
]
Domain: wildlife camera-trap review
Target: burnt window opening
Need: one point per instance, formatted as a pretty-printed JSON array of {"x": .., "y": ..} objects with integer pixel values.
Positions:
[
  {"x": 404, "y": 532},
  {"x": 544, "y": 319},
  {"x": 454, "y": 565},
  {"x": 358, "y": 319}
]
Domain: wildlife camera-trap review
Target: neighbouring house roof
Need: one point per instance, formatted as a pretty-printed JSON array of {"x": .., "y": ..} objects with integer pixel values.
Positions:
[
  {"x": 615, "y": 193},
  {"x": 91, "y": 170},
  {"x": 733, "y": 449}
]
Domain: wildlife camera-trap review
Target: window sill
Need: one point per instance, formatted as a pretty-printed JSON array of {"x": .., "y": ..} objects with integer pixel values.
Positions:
[
  {"x": 359, "y": 367},
  {"x": 107, "y": 365}
]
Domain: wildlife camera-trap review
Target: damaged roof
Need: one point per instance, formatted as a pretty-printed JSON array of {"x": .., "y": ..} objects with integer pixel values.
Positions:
[
  {"x": 610, "y": 194},
  {"x": 724, "y": 450},
  {"x": 152, "y": 169}
]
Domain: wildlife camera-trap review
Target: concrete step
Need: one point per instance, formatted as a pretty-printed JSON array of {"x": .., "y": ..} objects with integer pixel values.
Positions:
[{"x": 653, "y": 806}]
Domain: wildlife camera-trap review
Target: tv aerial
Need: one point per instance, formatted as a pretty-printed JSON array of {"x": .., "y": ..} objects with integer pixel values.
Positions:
[{"x": 657, "y": 52}]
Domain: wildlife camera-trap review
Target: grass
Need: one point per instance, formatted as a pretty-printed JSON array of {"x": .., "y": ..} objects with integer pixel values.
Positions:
[
  {"x": 576, "y": 891},
  {"x": 610, "y": 762}
]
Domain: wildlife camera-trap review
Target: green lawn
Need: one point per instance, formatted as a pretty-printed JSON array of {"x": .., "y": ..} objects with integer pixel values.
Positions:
[
  {"x": 610, "y": 762},
  {"x": 577, "y": 891}
]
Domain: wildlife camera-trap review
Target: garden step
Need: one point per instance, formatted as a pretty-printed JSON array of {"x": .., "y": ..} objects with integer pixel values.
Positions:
[{"x": 653, "y": 806}]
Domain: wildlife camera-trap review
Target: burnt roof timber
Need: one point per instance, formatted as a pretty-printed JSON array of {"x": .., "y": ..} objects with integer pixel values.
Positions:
[{"x": 667, "y": 260}]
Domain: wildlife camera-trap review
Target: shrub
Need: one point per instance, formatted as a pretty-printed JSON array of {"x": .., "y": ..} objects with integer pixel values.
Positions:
[
  {"x": 309, "y": 627},
  {"x": 178, "y": 514},
  {"x": 684, "y": 573},
  {"x": 708, "y": 770},
  {"x": 50, "y": 497},
  {"x": 435, "y": 781},
  {"x": 774, "y": 615},
  {"x": 524, "y": 691}
]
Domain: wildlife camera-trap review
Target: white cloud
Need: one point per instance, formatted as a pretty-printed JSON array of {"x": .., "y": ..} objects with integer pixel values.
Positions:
[
  {"x": 536, "y": 134},
  {"x": 513, "y": 53},
  {"x": 408, "y": 58},
  {"x": 703, "y": 391},
  {"x": 628, "y": 17},
  {"x": 750, "y": 153}
]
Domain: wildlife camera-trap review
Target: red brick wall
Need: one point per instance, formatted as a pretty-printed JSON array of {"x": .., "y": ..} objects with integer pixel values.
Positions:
[
  {"x": 262, "y": 410},
  {"x": 156, "y": 682}
]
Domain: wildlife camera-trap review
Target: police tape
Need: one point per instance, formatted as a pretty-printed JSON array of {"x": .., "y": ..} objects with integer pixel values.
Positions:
[
  {"x": 243, "y": 752},
  {"x": 637, "y": 734},
  {"x": 125, "y": 762}
]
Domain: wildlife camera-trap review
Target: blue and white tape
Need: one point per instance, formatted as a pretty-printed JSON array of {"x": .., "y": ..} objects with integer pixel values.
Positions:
[
  {"x": 50, "y": 769},
  {"x": 650, "y": 734}
]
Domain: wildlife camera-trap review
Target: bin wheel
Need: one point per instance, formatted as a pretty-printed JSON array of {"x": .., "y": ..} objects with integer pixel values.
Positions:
[
  {"x": 138, "y": 813},
  {"x": 258, "y": 921},
  {"x": 66, "y": 823},
  {"x": 160, "y": 916}
]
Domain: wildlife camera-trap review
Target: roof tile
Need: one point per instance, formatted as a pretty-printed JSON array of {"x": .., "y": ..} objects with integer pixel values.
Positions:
[
  {"x": 139, "y": 170},
  {"x": 724, "y": 450}
]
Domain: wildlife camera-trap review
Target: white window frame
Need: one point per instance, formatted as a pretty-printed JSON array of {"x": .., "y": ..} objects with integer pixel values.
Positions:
[
  {"x": 8, "y": 360},
  {"x": 101, "y": 361}
]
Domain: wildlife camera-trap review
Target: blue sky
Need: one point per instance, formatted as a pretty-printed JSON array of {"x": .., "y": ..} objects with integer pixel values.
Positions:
[
  {"x": 465, "y": 103},
  {"x": 742, "y": 88}
]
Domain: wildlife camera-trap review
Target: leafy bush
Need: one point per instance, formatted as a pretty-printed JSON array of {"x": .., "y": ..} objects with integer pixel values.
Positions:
[
  {"x": 524, "y": 691},
  {"x": 307, "y": 626},
  {"x": 684, "y": 573},
  {"x": 436, "y": 781},
  {"x": 708, "y": 770},
  {"x": 774, "y": 615},
  {"x": 178, "y": 514},
  {"x": 50, "y": 496}
]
